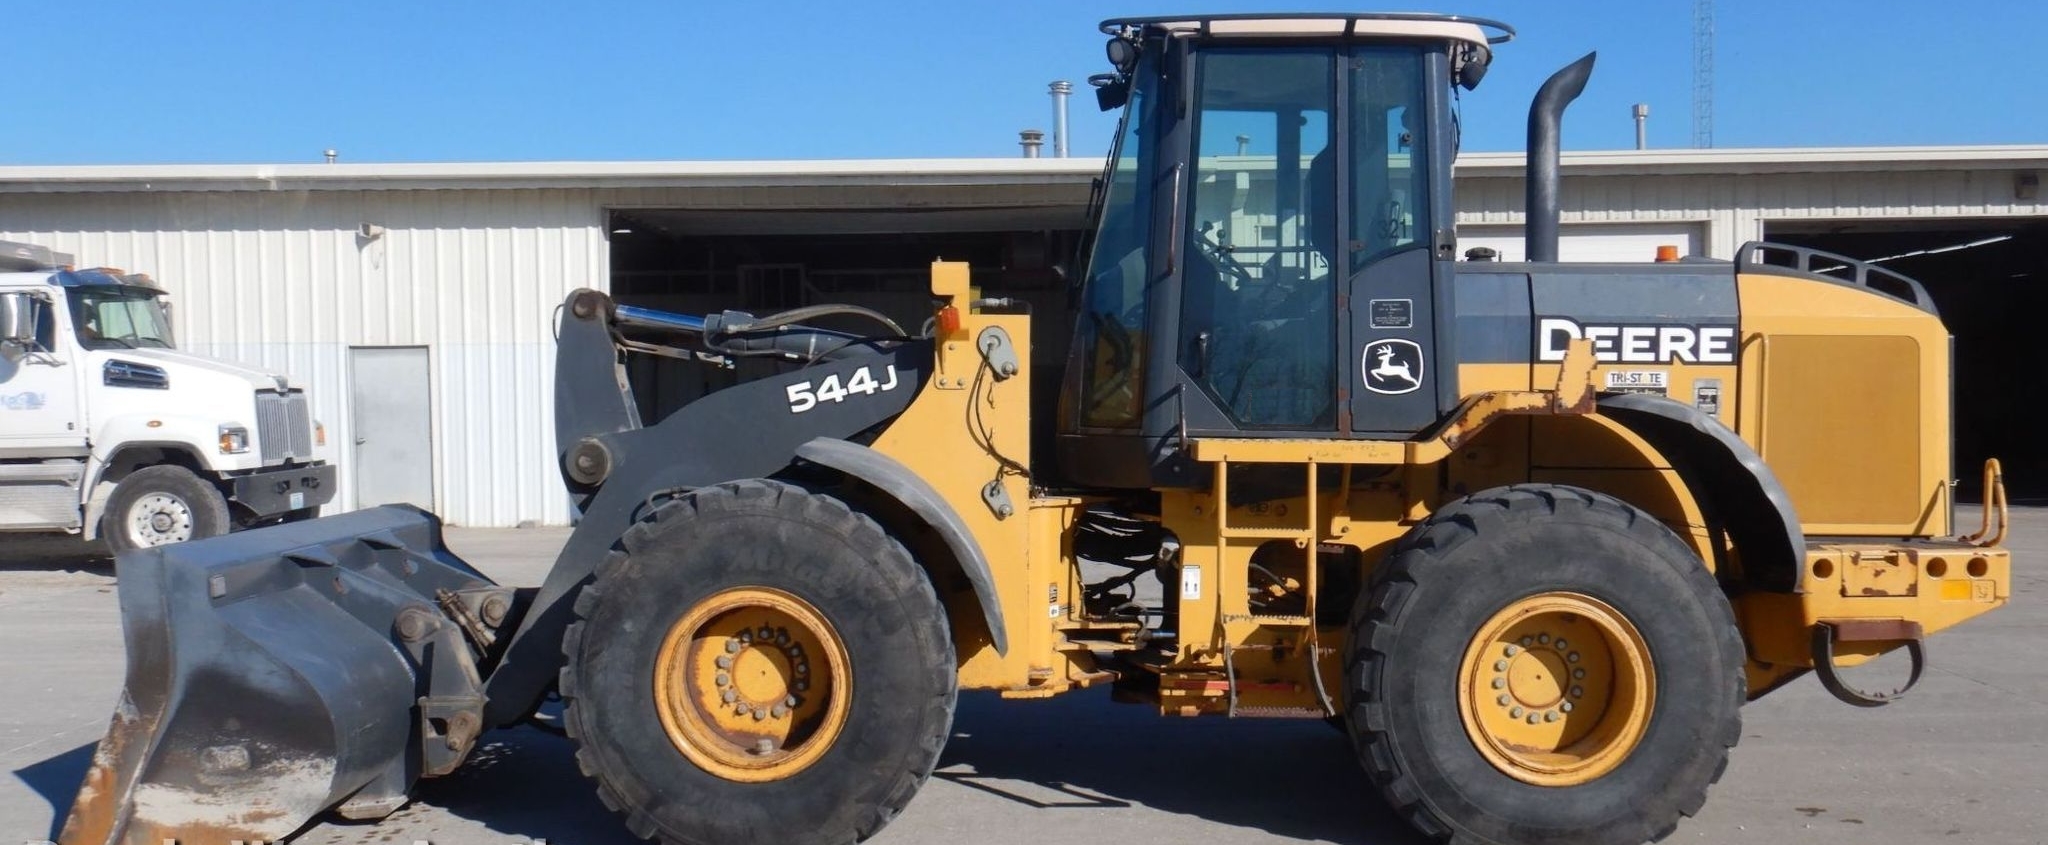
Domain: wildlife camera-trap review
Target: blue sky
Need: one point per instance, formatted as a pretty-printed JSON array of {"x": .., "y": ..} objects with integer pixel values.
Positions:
[{"x": 101, "y": 81}]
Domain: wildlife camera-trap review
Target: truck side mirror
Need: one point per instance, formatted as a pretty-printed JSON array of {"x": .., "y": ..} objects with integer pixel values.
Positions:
[{"x": 18, "y": 315}]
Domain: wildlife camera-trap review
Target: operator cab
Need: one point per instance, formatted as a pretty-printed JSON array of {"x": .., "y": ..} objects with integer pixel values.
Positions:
[{"x": 1269, "y": 235}]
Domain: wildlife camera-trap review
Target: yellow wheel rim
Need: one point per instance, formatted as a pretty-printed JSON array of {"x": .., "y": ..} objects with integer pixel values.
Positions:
[
  {"x": 752, "y": 684},
  {"x": 1556, "y": 689}
]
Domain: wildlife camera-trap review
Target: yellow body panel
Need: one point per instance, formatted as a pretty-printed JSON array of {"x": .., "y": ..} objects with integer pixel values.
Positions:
[
  {"x": 1845, "y": 396},
  {"x": 966, "y": 429}
]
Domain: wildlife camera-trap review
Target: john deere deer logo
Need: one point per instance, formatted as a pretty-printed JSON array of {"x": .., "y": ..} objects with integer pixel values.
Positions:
[{"x": 1392, "y": 366}]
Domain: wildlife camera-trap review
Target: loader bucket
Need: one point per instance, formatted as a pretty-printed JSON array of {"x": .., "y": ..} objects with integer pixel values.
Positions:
[{"x": 275, "y": 673}]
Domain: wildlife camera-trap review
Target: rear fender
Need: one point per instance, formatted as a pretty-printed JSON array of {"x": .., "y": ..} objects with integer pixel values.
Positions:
[
  {"x": 1738, "y": 492},
  {"x": 890, "y": 476}
]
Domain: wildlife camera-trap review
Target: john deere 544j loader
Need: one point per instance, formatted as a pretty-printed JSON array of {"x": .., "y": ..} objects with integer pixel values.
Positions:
[{"x": 1532, "y": 532}]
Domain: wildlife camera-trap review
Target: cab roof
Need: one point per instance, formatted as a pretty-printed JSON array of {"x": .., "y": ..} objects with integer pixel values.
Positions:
[
  {"x": 105, "y": 276},
  {"x": 1363, "y": 25}
]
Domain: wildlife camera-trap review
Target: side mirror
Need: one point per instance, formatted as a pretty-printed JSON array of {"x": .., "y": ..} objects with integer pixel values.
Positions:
[
  {"x": 1111, "y": 90},
  {"x": 18, "y": 314}
]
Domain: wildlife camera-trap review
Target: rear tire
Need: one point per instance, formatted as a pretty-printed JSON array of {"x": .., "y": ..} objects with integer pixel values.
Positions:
[
  {"x": 670, "y": 635},
  {"x": 1480, "y": 725},
  {"x": 163, "y": 504}
]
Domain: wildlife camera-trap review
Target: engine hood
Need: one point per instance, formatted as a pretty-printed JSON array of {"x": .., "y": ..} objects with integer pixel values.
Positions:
[{"x": 174, "y": 361}]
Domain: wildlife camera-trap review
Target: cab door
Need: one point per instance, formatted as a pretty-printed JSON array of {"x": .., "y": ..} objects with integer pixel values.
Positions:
[
  {"x": 39, "y": 411},
  {"x": 1259, "y": 281},
  {"x": 1397, "y": 139}
]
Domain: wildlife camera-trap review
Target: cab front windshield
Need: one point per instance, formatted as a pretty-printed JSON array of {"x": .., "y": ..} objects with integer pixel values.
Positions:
[{"x": 114, "y": 317}]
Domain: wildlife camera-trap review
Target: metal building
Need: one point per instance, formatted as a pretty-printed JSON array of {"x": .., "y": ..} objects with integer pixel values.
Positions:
[{"x": 416, "y": 300}]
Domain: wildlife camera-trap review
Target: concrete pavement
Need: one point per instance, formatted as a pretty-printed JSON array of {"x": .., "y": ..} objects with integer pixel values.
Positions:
[{"x": 1964, "y": 759}]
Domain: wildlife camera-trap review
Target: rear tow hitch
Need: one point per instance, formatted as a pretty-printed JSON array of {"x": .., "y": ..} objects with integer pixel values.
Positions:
[{"x": 1827, "y": 634}]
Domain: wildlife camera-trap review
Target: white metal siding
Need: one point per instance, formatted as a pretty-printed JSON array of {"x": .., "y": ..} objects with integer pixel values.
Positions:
[
  {"x": 283, "y": 280},
  {"x": 1589, "y": 242},
  {"x": 1733, "y": 208}
]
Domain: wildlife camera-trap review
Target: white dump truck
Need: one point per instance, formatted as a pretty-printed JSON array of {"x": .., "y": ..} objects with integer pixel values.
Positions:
[{"x": 107, "y": 430}]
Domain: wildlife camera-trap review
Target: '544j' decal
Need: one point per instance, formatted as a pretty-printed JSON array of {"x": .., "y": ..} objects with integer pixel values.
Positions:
[{"x": 804, "y": 396}]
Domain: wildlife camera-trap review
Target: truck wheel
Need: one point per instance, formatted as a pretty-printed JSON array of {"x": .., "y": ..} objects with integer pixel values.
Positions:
[
  {"x": 162, "y": 504},
  {"x": 1541, "y": 663},
  {"x": 758, "y": 663}
]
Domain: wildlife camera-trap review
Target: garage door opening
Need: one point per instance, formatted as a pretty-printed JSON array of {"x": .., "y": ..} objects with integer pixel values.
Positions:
[
  {"x": 696, "y": 262},
  {"x": 1989, "y": 278}
]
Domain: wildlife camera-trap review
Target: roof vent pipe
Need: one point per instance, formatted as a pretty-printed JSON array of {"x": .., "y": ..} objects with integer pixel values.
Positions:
[
  {"x": 1546, "y": 115},
  {"x": 1642, "y": 126},
  {"x": 1031, "y": 140},
  {"x": 1060, "y": 90}
]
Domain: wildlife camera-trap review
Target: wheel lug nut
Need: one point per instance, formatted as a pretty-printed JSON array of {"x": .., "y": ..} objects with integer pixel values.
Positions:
[
  {"x": 1528, "y": 641},
  {"x": 1543, "y": 638},
  {"x": 782, "y": 636},
  {"x": 1516, "y": 713},
  {"x": 1572, "y": 657},
  {"x": 1550, "y": 716},
  {"x": 728, "y": 696},
  {"x": 1565, "y": 707},
  {"x": 1512, "y": 650},
  {"x": 792, "y": 701},
  {"x": 760, "y": 714},
  {"x": 1500, "y": 666},
  {"x": 763, "y": 633},
  {"x": 1578, "y": 692},
  {"x": 1579, "y": 674},
  {"x": 1533, "y": 718},
  {"x": 724, "y": 680},
  {"x": 745, "y": 638},
  {"x": 802, "y": 685},
  {"x": 1500, "y": 683},
  {"x": 1502, "y": 700},
  {"x": 740, "y": 709},
  {"x": 803, "y": 667},
  {"x": 1560, "y": 644},
  {"x": 732, "y": 644},
  {"x": 724, "y": 661}
]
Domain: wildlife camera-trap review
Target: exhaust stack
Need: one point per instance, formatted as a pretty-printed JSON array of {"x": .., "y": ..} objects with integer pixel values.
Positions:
[{"x": 1546, "y": 115}]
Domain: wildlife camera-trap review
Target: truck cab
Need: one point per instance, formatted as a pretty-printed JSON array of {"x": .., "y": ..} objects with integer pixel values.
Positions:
[{"x": 109, "y": 431}]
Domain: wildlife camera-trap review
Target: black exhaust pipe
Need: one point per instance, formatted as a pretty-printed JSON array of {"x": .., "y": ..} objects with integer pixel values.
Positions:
[{"x": 1546, "y": 115}]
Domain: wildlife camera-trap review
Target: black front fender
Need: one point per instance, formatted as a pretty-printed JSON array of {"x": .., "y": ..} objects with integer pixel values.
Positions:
[{"x": 910, "y": 490}]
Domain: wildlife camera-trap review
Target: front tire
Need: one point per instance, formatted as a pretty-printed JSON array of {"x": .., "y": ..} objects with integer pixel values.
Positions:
[
  {"x": 1539, "y": 664},
  {"x": 758, "y": 664},
  {"x": 160, "y": 505}
]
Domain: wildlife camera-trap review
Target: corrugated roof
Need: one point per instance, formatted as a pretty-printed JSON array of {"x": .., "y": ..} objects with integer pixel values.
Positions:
[{"x": 940, "y": 171}]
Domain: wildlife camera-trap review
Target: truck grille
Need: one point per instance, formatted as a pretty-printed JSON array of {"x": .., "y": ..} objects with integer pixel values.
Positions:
[{"x": 284, "y": 426}]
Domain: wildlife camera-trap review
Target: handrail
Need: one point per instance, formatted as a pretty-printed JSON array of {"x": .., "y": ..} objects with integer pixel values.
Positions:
[
  {"x": 1994, "y": 500},
  {"x": 1756, "y": 254}
]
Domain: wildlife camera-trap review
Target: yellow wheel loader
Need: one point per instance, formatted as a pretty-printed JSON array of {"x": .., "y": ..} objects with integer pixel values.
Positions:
[{"x": 1531, "y": 532}]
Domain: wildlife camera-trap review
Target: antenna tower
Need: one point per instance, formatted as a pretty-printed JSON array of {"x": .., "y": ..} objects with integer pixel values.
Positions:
[{"x": 1703, "y": 73}]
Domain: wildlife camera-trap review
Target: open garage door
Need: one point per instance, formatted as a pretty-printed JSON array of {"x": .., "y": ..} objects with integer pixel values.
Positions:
[
  {"x": 1594, "y": 242},
  {"x": 696, "y": 261},
  {"x": 1989, "y": 278}
]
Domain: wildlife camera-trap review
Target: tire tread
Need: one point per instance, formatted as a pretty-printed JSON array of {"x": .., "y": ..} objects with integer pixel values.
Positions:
[{"x": 1413, "y": 563}]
